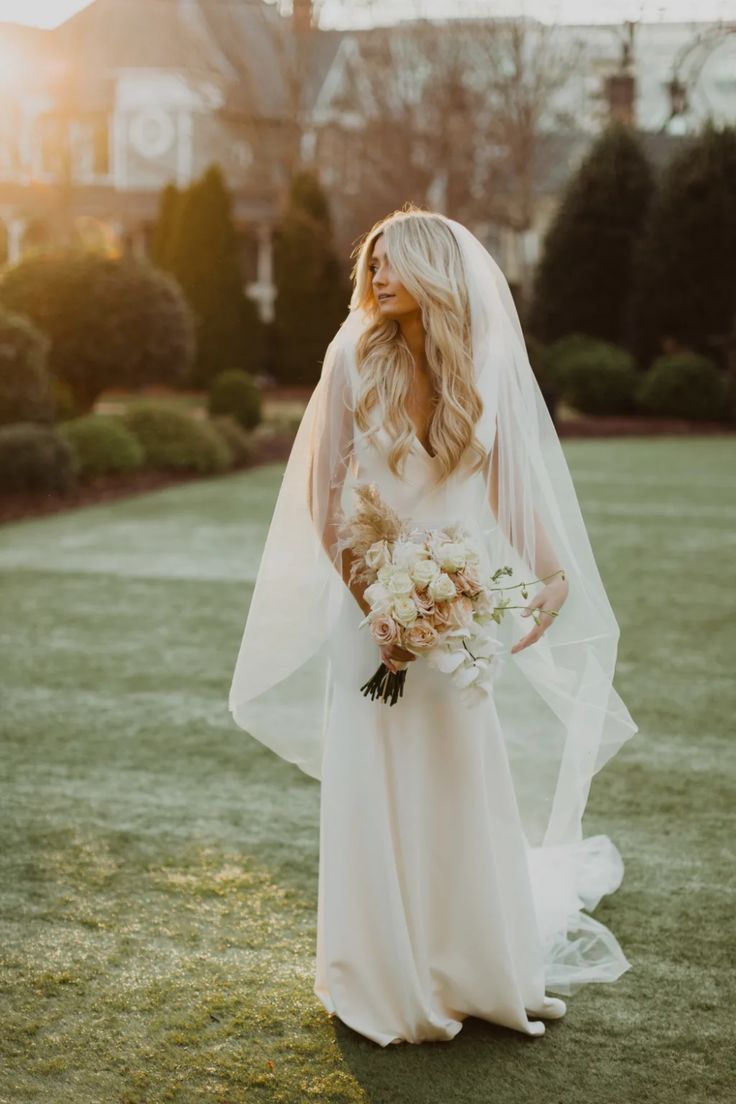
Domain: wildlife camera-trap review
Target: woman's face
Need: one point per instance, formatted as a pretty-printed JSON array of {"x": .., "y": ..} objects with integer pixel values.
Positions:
[{"x": 392, "y": 297}]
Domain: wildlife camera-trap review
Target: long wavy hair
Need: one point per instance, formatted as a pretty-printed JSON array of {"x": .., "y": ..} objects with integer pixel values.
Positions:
[{"x": 426, "y": 258}]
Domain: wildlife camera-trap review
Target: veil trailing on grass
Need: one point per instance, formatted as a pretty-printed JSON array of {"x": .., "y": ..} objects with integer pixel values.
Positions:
[{"x": 561, "y": 716}]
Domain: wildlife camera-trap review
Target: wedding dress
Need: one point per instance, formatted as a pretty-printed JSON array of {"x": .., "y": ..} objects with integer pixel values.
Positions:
[{"x": 454, "y": 878}]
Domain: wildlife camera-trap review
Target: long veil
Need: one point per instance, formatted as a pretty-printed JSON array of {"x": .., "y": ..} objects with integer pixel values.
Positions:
[{"x": 560, "y": 713}]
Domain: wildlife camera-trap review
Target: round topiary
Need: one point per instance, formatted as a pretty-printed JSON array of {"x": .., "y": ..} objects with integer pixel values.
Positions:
[
  {"x": 102, "y": 445},
  {"x": 35, "y": 458},
  {"x": 593, "y": 376},
  {"x": 111, "y": 321},
  {"x": 175, "y": 441},
  {"x": 25, "y": 391},
  {"x": 238, "y": 441},
  {"x": 235, "y": 393},
  {"x": 685, "y": 385}
]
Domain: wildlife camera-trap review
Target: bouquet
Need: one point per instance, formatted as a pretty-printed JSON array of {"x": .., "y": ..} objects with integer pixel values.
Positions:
[{"x": 426, "y": 593}]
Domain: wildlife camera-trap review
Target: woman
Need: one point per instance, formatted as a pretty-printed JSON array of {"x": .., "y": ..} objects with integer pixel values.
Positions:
[{"x": 453, "y": 873}]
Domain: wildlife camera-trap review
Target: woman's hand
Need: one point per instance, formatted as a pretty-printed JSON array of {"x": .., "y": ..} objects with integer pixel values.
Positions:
[
  {"x": 391, "y": 654},
  {"x": 552, "y": 596}
]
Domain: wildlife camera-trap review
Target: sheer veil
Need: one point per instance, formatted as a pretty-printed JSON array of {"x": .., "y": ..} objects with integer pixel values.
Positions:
[{"x": 561, "y": 715}]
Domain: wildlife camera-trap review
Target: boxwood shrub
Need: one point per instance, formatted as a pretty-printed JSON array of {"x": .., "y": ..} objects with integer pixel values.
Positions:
[
  {"x": 103, "y": 445},
  {"x": 173, "y": 440},
  {"x": 36, "y": 457},
  {"x": 685, "y": 385}
]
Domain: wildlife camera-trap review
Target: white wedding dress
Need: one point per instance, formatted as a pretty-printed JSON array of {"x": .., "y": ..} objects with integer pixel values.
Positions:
[
  {"x": 432, "y": 906},
  {"x": 454, "y": 877}
]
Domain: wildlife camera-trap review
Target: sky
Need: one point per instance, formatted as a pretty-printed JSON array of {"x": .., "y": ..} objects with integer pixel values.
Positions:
[{"x": 49, "y": 13}]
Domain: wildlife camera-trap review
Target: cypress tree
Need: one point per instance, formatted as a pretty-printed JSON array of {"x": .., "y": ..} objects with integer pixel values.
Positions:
[
  {"x": 203, "y": 256},
  {"x": 312, "y": 292},
  {"x": 583, "y": 280},
  {"x": 685, "y": 287},
  {"x": 165, "y": 227}
]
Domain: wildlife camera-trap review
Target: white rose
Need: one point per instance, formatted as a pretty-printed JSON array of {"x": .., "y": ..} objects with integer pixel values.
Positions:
[
  {"x": 400, "y": 583},
  {"x": 406, "y": 554},
  {"x": 377, "y": 596},
  {"x": 451, "y": 556},
  {"x": 404, "y": 611},
  {"x": 442, "y": 588},
  {"x": 377, "y": 555},
  {"x": 423, "y": 572}
]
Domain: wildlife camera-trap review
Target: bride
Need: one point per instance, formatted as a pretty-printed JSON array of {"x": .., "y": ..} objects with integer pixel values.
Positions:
[{"x": 454, "y": 878}]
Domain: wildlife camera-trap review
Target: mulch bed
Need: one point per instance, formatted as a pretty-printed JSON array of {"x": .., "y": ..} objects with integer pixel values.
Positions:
[
  {"x": 17, "y": 507},
  {"x": 109, "y": 488}
]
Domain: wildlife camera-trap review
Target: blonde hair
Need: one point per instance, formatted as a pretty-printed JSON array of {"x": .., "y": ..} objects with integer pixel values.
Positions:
[{"x": 424, "y": 254}]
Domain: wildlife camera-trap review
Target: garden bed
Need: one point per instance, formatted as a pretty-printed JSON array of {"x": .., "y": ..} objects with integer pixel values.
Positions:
[{"x": 108, "y": 488}]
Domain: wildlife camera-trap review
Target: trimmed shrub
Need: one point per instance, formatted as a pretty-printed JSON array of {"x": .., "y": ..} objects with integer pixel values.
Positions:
[
  {"x": 198, "y": 243},
  {"x": 102, "y": 445},
  {"x": 593, "y": 376},
  {"x": 312, "y": 289},
  {"x": 685, "y": 385},
  {"x": 25, "y": 388},
  {"x": 235, "y": 393},
  {"x": 36, "y": 458},
  {"x": 584, "y": 275},
  {"x": 238, "y": 441},
  {"x": 175, "y": 441},
  {"x": 112, "y": 322}
]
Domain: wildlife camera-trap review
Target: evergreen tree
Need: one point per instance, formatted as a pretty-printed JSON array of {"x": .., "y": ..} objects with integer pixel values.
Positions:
[
  {"x": 583, "y": 281},
  {"x": 312, "y": 292},
  {"x": 203, "y": 256},
  {"x": 685, "y": 287},
  {"x": 164, "y": 229}
]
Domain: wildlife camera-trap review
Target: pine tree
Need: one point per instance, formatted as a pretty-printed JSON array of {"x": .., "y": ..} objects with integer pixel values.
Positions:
[
  {"x": 583, "y": 281},
  {"x": 203, "y": 256},
  {"x": 164, "y": 230},
  {"x": 685, "y": 287},
  {"x": 312, "y": 292}
]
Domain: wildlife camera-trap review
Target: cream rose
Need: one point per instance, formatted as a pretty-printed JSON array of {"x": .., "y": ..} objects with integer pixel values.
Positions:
[
  {"x": 399, "y": 583},
  {"x": 424, "y": 602},
  {"x": 407, "y": 553},
  {"x": 423, "y": 572},
  {"x": 378, "y": 597},
  {"x": 468, "y": 582},
  {"x": 441, "y": 588},
  {"x": 384, "y": 629},
  {"x": 421, "y": 636},
  {"x": 460, "y": 613},
  {"x": 452, "y": 556},
  {"x": 404, "y": 611}
]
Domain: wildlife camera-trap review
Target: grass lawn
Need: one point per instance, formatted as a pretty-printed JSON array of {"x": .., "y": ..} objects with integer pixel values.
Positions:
[{"x": 159, "y": 873}]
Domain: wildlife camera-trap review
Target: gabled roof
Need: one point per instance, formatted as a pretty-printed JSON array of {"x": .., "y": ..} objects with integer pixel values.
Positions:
[{"x": 240, "y": 46}]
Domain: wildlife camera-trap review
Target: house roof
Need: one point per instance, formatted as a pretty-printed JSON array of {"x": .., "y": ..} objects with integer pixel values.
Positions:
[{"x": 239, "y": 46}]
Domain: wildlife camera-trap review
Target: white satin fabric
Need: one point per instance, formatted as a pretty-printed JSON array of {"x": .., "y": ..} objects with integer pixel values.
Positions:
[{"x": 432, "y": 905}]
